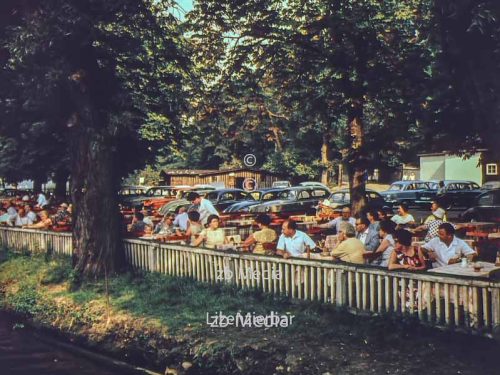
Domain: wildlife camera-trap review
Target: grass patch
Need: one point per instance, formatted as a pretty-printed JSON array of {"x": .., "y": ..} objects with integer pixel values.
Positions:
[{"x": 175, "y": 303}]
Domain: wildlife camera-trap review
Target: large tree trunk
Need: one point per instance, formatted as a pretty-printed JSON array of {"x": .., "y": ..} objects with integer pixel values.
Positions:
[
  {"x": 356, "y": 163},
  {"x": 325, "y": 160},
  {"x": 98, "y": 247},
  {"x": 96, "y": 230}
]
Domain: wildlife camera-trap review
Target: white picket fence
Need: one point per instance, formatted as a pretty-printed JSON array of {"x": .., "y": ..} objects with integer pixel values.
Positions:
[{"x": 458, "y": 303}]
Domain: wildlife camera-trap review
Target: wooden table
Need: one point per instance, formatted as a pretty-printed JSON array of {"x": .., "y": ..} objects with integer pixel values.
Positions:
[
  {"x": 488, "y": 270},
  {"x": 494, "y": 236},
  {"x": 422, "y": 243}
]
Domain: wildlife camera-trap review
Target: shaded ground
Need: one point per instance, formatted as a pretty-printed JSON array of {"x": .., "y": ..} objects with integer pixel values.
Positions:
[
  {"x": 22, "y": 353},
  {"x": 160, "y": 322}
]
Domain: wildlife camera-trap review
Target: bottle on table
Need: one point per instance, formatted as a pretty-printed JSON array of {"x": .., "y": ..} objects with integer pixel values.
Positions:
[{"x": 497, "y": 261}]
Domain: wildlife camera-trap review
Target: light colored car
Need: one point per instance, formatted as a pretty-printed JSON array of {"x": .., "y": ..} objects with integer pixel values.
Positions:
[
  {"x": 281, "y": 184},
  {"x": 314, "y": 184}
]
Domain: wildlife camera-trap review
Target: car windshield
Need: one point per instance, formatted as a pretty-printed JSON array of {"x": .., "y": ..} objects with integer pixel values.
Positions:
[
  {"x": 396, "y": 187},
  {"x": 337, "y": 197}
]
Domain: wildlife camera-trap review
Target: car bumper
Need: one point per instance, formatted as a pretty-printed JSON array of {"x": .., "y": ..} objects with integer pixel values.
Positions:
[{"x": 424, "y": 200}]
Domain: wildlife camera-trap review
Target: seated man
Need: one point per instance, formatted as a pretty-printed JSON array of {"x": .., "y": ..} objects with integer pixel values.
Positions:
[
  {"x": 30, "y": 213},
  {"x": 11, "y": 211},
  {"x": 350, "y": 248},
  {"x": 262, "y": 236},
  {"x": 148, "y": 217},
  {"x": 138, "y": 225},
  {"x": 293, "y": 242},
  {"x": 366, "y": 235},
  {"x": 181, "y": 220},
  {"x": 4, "y": 217},
  {"x": 22, "y": 218},
  {"x": 344, "y": 218},
  {"x": 447, "y": 248}
]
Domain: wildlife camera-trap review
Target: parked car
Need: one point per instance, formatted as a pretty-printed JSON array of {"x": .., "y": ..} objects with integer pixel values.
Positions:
[
  {"x": 457, "y": 193},
  {"x": 156, "y": 202},
  {"x": 174, "y": 206},
  {"x": 152, "y": 192},
  {"x": 130, "y": 192},
  {"x": 223, "y": 198},
  {"x": 281, "y": 184},
  {"x": 342, "y": 198},
  {"x": 490, "y": 185},
  {"x": 314, "y": 184},
  {"x": 408, "y": 192},
  {"x": 257, "y": 196},
  {"x": 486, "y": 207},
  {"x": 293, "y": 201}
]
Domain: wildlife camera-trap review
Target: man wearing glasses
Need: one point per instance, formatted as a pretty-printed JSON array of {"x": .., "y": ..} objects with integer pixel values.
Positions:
[{"x": 366, "y": 235}]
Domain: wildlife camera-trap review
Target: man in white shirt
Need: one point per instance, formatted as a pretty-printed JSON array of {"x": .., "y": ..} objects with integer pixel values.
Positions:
[
  {"x": 293, "y": 242},
  {"x": 29, "y": 213},
  {"x": 22, "y": 218},
  {"x": 181, "y": 220},
  {"x": 447, "y": 248},
  {"x": 206, "y": 208},
  {"x": 12, "y": 212},
  {"x": 41, "y": 200},
  {"x": 337, "y": 222}
]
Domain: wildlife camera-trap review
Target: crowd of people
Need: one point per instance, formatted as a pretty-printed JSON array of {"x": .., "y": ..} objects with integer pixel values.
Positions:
[
  {"x": 35, "y": 213},
  {"x": 376, "y": 238}
]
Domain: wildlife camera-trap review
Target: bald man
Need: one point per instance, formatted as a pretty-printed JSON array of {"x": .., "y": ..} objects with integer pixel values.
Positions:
[{"x": 337, "y": 222}]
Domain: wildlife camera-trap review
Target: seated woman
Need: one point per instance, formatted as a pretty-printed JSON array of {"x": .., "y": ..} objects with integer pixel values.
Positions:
[
  {"x": 212, "y": 235},
  {"x": 382, "y": 254},
  {"x": 194, "y": 226},
  {"x": 403, "y": 218},
  {"x": 404, "y": 255},
  {"x": 264, "y": 235},
  {"x": 44, "y": 223},
  {"x": 165, "y": 226}
]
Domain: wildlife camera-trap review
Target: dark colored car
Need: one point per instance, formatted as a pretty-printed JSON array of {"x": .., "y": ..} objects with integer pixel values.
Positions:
[
  {"x": 257, "y": 197},
  {"x": 456, "y": 193},
  {"x": 485, "y": 208},
  {"x": 12, "y": 193},
  {"x": 342, "y": 198},
  {"x": 404, "y": 192},
  {"x": 293, "y": 201},
  {"x": 223, "y": 198},
  {"x": 129, "y": 193}
]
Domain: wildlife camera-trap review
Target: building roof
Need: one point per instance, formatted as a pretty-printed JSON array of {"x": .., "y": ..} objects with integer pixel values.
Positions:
[
  {"x": 452, "y": 153},
  {"x": 212, "y": 172}
]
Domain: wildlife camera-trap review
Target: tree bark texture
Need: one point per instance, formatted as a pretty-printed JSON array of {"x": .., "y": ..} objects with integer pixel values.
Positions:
[{"x": 97, "y": 241}]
